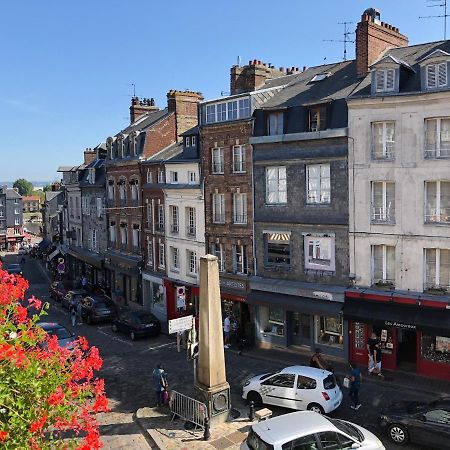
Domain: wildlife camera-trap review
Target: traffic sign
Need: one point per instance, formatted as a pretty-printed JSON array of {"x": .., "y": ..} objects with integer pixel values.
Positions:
[{"x": 180, "y": 324}]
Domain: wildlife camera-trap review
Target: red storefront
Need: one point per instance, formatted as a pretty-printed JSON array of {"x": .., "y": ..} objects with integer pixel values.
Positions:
[
  {"x": 181, "y": 299},
  {"x": 414, "y": 330}
]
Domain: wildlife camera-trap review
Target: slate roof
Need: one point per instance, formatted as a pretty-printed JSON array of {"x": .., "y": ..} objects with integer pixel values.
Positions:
[
  {"x": 410, "y": 55},
  {"x": 167, "y": 153},
  {"x": 12, "y": 193},
  {"x": 145, "y": 121},
  {"x": 50, "y": 195},
  {"x": 192, "y": 131}
]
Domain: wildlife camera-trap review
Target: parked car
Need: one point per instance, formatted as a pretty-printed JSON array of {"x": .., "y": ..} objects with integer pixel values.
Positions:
[
  {"x": 137, "y": 324},
  {"x": 418, "y": 422},
  {"x": 97, "y": 309},
  {"x": 14, "y": 269},
  {"x": 76, "y": 294},
  {"x": 296, "y": 387},
  {"x": 65, "y": 337},
  {"x": 57, "y": 290},
  {"x": 309, "y": 430}
]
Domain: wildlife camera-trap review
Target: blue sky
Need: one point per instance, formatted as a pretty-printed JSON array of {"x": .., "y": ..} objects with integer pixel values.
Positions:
[{"x": 68, "y": 66}]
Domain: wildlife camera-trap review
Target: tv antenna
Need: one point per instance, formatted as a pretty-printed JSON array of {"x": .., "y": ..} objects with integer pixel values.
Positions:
[
  {"x": 134, "y": 89},
  {"x": 438, "y": 4},
  {"x": 346, "y": 39}
]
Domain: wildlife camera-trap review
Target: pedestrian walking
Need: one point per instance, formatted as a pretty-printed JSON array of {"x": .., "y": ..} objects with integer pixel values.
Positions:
[
  {"x": 355, "y": 384},
  {"x": 73, "y": 312},
  {"x": 374, "y": 351},
  {"x": 226, "y": 331},
  {"x": 80, "y": 317},
  {"x": 84, "y": 282},
  {"x": 160, "y": 384}
]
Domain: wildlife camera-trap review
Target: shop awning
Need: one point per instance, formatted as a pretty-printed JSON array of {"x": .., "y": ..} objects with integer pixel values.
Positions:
[
  {"x": 431, "y": 320},
  {"x": 53, "y": 254},
  {"x": 87, "y": 256},
  {"x": 294, "y": 303}
]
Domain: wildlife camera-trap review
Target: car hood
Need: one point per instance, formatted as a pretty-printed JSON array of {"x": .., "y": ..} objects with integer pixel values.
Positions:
[{"x": 403, "y": 408}]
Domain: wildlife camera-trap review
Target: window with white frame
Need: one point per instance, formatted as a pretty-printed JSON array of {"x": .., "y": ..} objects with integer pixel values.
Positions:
[
  {"x": 175, "y": 258},
  {"x": 192, "y": 262},
  {"x": 94, "y": 242},
  {"x": 136, "y": 235},
  {"x": 383, "y": 264},
  {"x": 192, "y": 177},
  {"x": 218, "y": 208},
  {"x": 217, "y": 250},
  {"x": 122, "y": 190},
  {"x": 111, "y": 189},
  {"x": 174, "y": 219},
  {"x": 437, "y": 268},
  {"x": 161, "y": 217},
  {"x": 383, "y": 201},
  {"x": 99, "y": 206},
  {"x": 161, "y": 176},
  {"x": 134, "y": 185},
  {"x": 275, "y": 123},
  {"x": 229, "y": 110},
  {"x": 193, "y": 141},
  {"x": 173, "y": 176},
  {"x": 232, "y": 110},
  {"x": 190, "y": 218},
  {"x": 278, "y": 248},
  {"x": 162, "y": 255},
  {"x": 149, "y": 215},
  {"x": 437, "y": 202},
  {"x": 384, "y": 80},
  {"x": 239, "y": 158},
  {"x": 149, "y": 176},
  {"x": 187, "y": 141},
  {"x": 318, "y": 183},
  {"x": 239, "y": 259},
  {"x": 85, "y": 205},
  {"x": 91, "y": 176},
  {"x": 276, "y": 186},
  {"x": 123, "y": 233},
  {"x": 437, "y": 137},
  {"x": 112, "y": 231},
  {"x": 217, "y": 160},
  {"x": 16, "y": 211},
  {"x": 16, "y": 221},
  {"x": 240, "y": 208},
  {"x": 436, "y": 75},
  {"x": 319, "y": 252},
  {"x": 383, "y": 140},
  {"x": 149, "y": 252},
  {"x": 16, "y": 201}
]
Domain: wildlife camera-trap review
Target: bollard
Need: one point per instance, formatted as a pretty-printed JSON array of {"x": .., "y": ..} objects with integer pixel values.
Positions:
[
  {"x": 251, "y": 411},
  {"x": 207, "y": 432}
]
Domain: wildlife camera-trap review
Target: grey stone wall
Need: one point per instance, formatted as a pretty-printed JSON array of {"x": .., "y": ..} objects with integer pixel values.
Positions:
[{"x": 92, "y": 221}]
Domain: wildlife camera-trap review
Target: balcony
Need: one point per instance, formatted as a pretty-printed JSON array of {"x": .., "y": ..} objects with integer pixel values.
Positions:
[
  {"x": 218, "y": 218},
  {"x": 434, "y": 215},
  {"x": 437, "y": 153},
  {"x": 437, "y": 145},
  {"x": 174, "y": 228},
  {"x": 190, "y": 231},
  {"x": 381, "y": 215},
  {"x": 240, "y": 219}
]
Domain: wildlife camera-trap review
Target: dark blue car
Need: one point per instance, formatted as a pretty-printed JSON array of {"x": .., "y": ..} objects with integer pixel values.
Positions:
[{"x": 137, "y": 324}]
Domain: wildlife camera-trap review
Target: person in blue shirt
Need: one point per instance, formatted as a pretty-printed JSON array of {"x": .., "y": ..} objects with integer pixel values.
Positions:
[
  {"x": 355, "y": 383},
  {"x": 159, "y": 384}
]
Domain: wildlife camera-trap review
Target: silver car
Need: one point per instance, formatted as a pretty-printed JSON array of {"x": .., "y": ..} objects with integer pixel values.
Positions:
[{"x": 65, "y": 337}]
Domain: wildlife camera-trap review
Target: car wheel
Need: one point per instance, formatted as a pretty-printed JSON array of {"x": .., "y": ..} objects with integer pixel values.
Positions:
[
  {"x": 316, "y": 408},
  {"x": 254, "y": 397},
  {"x": 398, "y": 434},
  {"x": 132, "y": 336},
  {"x": 114, "y": 328}
]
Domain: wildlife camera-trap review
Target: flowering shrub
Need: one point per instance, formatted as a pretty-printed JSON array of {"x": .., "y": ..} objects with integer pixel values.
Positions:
[{"x": 49, "y": 395}]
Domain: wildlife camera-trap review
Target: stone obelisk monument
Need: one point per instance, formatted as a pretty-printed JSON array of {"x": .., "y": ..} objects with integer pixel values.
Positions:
[{"x": 211, "y": 384}]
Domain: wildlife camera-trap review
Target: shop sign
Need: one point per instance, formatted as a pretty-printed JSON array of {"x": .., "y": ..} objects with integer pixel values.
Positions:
[
  {"x": 180, "y": 324},
  {"x": 395, "y": 324},
  {"x": 323, "y": 295},
  {"x": 232, "y": 284}
]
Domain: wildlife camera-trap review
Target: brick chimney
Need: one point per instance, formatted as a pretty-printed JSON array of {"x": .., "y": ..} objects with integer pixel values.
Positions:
[
  {"x": 251, "y": 77},
  {"x": 373, "y": 38},
  {"x": 89, "y": 156},
  {"x": 140, "y": 107},
  {"x": 184, "y": 104}
]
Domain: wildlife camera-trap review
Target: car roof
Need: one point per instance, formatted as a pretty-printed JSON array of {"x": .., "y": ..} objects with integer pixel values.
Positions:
[
  {"x": 13, "y": 265},
  {"x": 50, "y": 325},
  {"x": 77, "y": 291},
  {"x": 307, "y": 371},
  {"x": 287, "y": 427}
]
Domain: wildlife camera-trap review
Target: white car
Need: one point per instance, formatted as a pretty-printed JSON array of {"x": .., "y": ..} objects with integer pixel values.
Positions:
[
  {"x": 296, "y": 387},
  {"x": 307, "y": 430}
]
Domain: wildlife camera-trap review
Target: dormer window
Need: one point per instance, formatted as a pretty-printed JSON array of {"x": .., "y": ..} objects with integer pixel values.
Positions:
[
  {"x": 188, "y": 142},
  {"x": 384, "y": 80},
  {"x": 275, "y": 123},
  {"x": 317, "y": 118},
  {"x": 91, "y": 176},
  {"x": 436, "y": 75},
  {"x": 193, "y": 141}
]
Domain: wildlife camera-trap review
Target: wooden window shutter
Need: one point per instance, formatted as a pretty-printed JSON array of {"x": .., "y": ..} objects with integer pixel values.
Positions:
[{"x": 431, "y": 76}]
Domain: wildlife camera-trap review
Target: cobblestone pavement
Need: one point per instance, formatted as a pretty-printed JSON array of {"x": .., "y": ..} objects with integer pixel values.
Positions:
[{"x": 128, "y": 366}]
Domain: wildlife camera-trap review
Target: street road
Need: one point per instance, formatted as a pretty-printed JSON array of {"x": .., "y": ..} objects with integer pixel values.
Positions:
[{"x": 128, "y": 366}]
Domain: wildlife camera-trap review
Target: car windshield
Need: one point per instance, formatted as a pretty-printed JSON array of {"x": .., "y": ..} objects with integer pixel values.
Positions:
[
  {"x": 254, "y": 442},
  {"x": 267, "y": 375},
  {"x": 329, "y": 382},
  {"x": 347, "y": 428},
  {"x": 60, "y": 333},
  {"x": 147, "y": 318}
]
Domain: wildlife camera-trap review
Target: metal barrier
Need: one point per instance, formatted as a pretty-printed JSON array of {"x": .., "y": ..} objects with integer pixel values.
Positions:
[{"x": 188, "y": 409}]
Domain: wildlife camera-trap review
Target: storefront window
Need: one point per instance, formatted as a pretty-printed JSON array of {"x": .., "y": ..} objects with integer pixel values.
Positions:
[
  {"x": 158, "y": 297},
  {"x": 436, "y": 348},
  {"x": 386, "y": 340},
  {"x": 272, "y": 320},
  {"x": 329, "y": 331},
  {"x": 234, "y": 311}
]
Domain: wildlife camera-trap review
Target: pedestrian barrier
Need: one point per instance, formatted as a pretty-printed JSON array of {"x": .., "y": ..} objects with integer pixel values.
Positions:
[{"x": 188, "y": 409}]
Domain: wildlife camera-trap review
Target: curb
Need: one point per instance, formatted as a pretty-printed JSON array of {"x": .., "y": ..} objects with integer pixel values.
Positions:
[{"x": 147, "y": 436}]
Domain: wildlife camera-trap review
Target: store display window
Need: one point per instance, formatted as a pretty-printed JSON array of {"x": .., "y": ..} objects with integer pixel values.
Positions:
[
  {"x": 158, "y": 297},
  {"x": 436, "y": 348},
  {"x": 272, "y": 320},
  {"x": 329, "y": 331},
  {"x": 386, "y": 339}
]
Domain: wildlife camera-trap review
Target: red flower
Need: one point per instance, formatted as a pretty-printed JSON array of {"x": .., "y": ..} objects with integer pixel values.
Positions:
[
  {"x": 101, "y": 404},
  {"x": 3, "y": 435},
  {"x": 21, "y": 314},
  {"x": 38, "y": 424},
  {"x": 57, "y": 397},
  {"x": 36, "y": 303}
]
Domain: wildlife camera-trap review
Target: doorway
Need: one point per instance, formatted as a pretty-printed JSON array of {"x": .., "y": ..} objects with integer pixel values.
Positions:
[
  {"x": 301, "y": 329},
  {"x": 406, "y": 349}
]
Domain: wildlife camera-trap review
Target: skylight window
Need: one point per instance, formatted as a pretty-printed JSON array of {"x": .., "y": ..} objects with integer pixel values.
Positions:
[{"x": 320, "y": 77}]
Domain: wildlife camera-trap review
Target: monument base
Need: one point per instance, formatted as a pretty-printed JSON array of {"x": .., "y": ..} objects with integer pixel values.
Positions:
[{"x": 217, "y": 401}]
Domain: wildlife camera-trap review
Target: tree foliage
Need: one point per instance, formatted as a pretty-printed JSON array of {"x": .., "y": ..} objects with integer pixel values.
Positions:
[
  {"x": 49, "y": 395},
  {"x": 25, "y": 187},
  {"x": 47, "y": 187}
]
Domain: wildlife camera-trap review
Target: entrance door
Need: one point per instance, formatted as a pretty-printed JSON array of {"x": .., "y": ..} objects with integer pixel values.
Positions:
[
  {"x": 301, "y": 329},
  {"x": 406, "y": 349}
]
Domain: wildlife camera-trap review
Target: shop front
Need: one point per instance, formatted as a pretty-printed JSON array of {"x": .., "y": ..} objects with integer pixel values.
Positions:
[
  {"x": 181, "y": 298},
  {"x": 300, "y": 322},
  {"x": 84, "y": 262},
  {"x": 414, "y": 331},
  {"x": 154, "y": 295}
]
